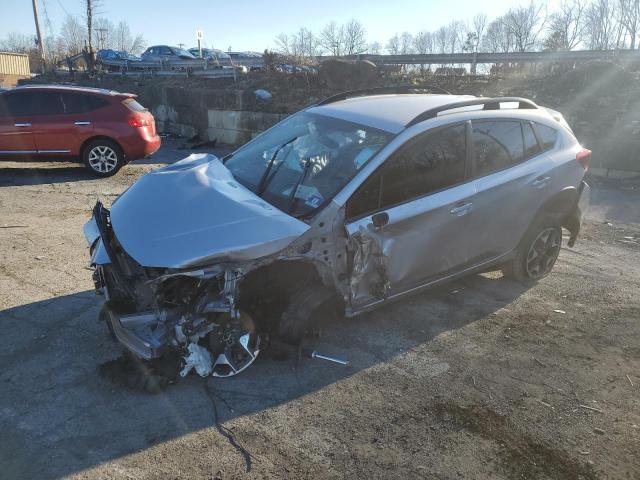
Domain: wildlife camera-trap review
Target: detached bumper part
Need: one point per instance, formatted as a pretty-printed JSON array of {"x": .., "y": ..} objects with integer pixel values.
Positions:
[
  {"x": 146, "y": 346},
  {"x": 574, "y": 221}
]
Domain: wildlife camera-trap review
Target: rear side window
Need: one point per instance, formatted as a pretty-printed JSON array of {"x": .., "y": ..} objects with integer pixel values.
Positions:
[
  {"x": 497, "y": 145},
  {"x": 133, "y": 105},
  {"x": 548, "y": 136},
  {"x": 426, "y": 165},
  {"x": 80, "y": 103}
]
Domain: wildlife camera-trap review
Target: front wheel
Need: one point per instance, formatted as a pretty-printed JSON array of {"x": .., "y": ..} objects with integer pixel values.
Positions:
[
  {"x": 103, "y": 157},
  {"x": 537, "y": 253}
]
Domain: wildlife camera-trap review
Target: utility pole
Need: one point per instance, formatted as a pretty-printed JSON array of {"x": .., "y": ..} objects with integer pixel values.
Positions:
[
  {"x": 39, "y": 34},
  {"x": 91, "y": 58}
]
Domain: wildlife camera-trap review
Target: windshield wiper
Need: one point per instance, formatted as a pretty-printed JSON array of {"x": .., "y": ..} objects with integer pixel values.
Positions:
[
  {"x": 292, "y": 196},
  {"x": 262, "y": 184}
]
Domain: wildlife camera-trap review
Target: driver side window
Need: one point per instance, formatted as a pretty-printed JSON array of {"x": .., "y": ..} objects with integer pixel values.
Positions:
[{"x": 424, "y": 165}]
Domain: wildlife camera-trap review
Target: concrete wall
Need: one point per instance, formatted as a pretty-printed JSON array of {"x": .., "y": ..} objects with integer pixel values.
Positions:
[{"x": 228, "y": 116}]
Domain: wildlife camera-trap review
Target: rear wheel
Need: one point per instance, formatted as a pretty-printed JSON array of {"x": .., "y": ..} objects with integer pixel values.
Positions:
[
  {"x": 103, "y": 157},
  {"x": 537, "y": 253}
]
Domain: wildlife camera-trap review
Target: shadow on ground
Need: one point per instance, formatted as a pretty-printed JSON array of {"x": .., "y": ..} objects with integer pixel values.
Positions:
[
  {"x": 58, "y": 416},
  {"x": 42, "y": 173}
]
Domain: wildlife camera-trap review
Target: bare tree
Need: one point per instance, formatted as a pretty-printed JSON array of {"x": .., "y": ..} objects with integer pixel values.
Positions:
[
  {"x": 331, "y": 38},
  {"x": 299, "y": 46},
  {"x": 525, "y": 25},
  {"x": 566, "y": 26},
  {"x": 355, "y": 40},
  {"x": 138, "y": 45},
  {"x": 72, "y": 35},
  {"x": 423, "y": 42},
  {"x": 599, "y": 24},
  {"x": 498, "y": 38},
  {"x": 476, "y": 30},
  {"x": 441, "y": 37},
  {"x": 375, "y": 48},
  {"x": 629, "y": 18},
  {"x": 103, "y": 33},
  {"x": 17, "y": 43},
  {"x": 406, "y": 43},
  {"x": 393, "y": 45}
]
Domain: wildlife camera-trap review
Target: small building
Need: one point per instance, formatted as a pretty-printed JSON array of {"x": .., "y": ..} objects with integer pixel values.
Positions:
[{"x": 13, "y": 67}]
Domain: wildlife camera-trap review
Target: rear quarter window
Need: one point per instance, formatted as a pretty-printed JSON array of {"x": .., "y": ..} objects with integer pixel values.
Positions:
[
  {"x": 548, "y": 136},
  {"x": 81, "y": 103}
]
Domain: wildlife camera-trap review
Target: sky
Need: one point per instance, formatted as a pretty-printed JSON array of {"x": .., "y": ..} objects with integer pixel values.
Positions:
[{"x": 252, "y": 24}]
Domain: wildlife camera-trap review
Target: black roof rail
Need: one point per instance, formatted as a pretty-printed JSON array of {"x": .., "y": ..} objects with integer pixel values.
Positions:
[
  {"x": 400, "y": 89},
  {"x": 489, "y": 104}
]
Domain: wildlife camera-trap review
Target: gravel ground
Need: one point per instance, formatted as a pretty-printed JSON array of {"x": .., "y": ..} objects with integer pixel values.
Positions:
[{"x": 478, "y": 379}]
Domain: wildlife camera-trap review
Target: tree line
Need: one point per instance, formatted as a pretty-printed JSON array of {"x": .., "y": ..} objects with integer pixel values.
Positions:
[{"x": 573, "y": 24}]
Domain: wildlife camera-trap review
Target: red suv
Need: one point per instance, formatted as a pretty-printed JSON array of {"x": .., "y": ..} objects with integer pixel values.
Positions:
[{"x": 103, "y": 128}]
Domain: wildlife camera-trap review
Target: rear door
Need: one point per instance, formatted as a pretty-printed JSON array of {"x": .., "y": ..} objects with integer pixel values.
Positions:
[
  {"x": 511, "y": 181},
  {"x": 408, "y": 223},
  {"x": 64, "y": 121},
  {"x": 16, "y": 123}
]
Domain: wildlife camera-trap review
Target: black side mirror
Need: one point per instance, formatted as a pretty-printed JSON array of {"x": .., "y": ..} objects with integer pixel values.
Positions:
[{"x": 379, "y": 220}]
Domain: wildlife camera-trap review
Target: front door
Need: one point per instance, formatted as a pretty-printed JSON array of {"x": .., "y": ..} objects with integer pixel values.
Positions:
[
  {"x": 16, "y": 123},
  {"x": 408, "y": 223}
]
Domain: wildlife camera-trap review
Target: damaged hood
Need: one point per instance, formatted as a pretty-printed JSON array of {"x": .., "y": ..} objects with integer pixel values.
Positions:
[{"x": 194, "y": 212}]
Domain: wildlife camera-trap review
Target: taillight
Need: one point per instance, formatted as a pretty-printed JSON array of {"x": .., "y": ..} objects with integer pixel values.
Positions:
[
  {"x": 137, "y": 121},
  {"x": 583, "y": 157}
]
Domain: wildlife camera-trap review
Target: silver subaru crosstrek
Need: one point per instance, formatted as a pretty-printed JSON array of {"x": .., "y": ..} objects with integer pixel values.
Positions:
[{"x": 356, "y": 201}]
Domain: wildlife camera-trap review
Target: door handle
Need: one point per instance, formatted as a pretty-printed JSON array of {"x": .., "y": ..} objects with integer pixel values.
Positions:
[
  {"x": 21, "y": 124},
  {"x": 541, "y": 182},
  {"x": 82, "y": 123},
  {"x": 462, "y": 209}
]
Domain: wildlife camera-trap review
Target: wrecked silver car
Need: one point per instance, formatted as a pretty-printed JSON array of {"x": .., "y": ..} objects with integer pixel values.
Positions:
[{"x": 353, "y": 202}]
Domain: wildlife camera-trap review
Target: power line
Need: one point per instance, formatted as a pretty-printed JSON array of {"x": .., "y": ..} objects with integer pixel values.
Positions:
[{"x": 62, "y": 7}]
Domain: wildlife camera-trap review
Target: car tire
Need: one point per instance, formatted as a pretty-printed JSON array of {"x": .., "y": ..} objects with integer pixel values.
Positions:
[
  {"x": 103, "y": 157},
  {"x": 537, "y": 253},
  {"x": 306, "y": 310}
]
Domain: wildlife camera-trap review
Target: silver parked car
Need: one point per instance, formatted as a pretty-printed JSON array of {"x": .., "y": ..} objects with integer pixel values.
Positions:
[{"x": 356, "y": 201}]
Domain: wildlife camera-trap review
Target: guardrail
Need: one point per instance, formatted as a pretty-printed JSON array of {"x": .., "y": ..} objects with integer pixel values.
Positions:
[{"x": 511, "y": 57}]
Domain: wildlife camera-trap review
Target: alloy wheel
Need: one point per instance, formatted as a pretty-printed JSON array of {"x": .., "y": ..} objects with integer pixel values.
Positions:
[
  {"x": 103, "y": 159},
  {"x": 543, "y": 252},
  {"x": 235, "y": 345}
]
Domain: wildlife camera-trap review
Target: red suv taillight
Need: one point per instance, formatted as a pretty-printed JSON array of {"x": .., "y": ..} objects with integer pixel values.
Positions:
[
  {"x": 583, "y": 157},
  {"x": 137, "y": 121}
]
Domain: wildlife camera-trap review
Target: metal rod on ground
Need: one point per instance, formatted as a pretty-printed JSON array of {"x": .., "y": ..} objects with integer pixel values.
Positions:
[{"x": 315, "y": 355}]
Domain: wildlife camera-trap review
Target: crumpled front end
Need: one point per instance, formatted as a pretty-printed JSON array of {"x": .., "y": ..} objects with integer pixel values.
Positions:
[{"x": 153, "y": 310}]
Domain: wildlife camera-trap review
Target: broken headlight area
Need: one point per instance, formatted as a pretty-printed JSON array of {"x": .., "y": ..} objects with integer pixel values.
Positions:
[
  {"x": 195, "y": 315},
  {"x": 152, "y": 311}
]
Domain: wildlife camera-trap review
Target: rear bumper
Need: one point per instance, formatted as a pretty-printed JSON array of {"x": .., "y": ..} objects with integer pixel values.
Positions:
[{"x": 141, "y": 147}]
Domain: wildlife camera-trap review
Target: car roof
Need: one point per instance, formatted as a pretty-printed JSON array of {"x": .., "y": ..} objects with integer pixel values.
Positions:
[
  {"x": 70, "y": 88},
  {"x": 386, "y": 112}
]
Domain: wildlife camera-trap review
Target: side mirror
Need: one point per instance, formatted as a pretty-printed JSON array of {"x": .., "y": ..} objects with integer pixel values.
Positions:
[{"x": 379, "y": 220}]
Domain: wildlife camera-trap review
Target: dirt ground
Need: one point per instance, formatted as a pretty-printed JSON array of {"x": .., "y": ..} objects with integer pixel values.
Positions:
[{"x": 479, "y": 379}]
